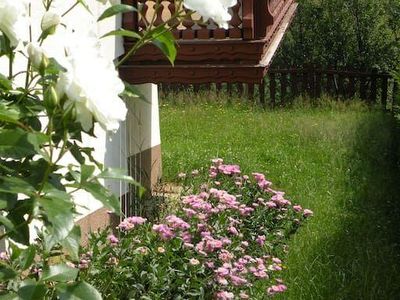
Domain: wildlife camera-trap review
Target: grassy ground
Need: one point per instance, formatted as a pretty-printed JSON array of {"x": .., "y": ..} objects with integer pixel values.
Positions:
[{"x": 339, "y": 160}]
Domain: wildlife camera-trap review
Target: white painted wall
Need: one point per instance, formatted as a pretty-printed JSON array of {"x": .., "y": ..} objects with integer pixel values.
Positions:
[{"x": 110, "y": 148}]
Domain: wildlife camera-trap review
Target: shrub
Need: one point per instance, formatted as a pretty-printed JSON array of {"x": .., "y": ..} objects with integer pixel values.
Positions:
[{"x": 225, "y": 241}]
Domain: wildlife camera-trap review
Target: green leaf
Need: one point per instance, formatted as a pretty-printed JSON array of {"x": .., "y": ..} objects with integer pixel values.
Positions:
[
  {"x": 59, "y": 273},
  {"x": 9, "y": 296},
  {"x": 8, "y": 114},
  {"x": 78, "y": 291},
  {"x": 7, "y": 273},
  {"x": 20, "y": 232},
  {"x": 5, "y": 83},
  {"x": 165, "y": 41},
  {"x": 116, "y": 9},
  {"x": 15, "y": 185},
  {"x": 58, "y": 207},
  {"x": 76, "y": 153},
  {"x": 32, "y": 290},
  {"x": 15, "y": 143},
  {"x": 27, "y": 257},
  {"x": 7, "y": 201},
  {"x": 102, "y": 194},
  {"x": 123, "y": 32},
  {"x": 72, "y": 242},
  {"x": 86, "y": 172}
]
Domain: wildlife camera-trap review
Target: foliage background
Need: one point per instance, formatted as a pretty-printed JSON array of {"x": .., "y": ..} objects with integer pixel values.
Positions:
[{"x": 355, "y": 34}]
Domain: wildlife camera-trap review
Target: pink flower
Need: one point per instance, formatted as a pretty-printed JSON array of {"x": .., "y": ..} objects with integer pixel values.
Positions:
[
  {"x": 243, "y": 295},
  {"x": 229, "y": 169},
  {"x": 271, "y": 204},
  {"x": 222, "y": 272},
  {"x": 237, "y": 280},
  {"x": 258, "y": 176},
  {"x": 177, "y": 223},
  {"x": 224, "y": 295},
  {"x": 186, "y": 237},
  {"x": 276, "y": 260},
  {"x": 210, "y": 264},
  {"x": 297, "y": 208},
  {"x": 233, "y": 230},
  {"x": 164, "y": 230},
  {"x": 4, "y": 256},
  {"x": 308, "y": 213},
  {"x": 225, "y": 256},
  {"x": 261, "y": 240},
  {"x": 113, "y": 240},
  {"x": 275, "y": 289},
  {"x": 129, "y": 223}
]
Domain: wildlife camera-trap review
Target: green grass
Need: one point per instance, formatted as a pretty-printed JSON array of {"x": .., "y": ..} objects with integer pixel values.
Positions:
[{"x": 338, "y": 160}]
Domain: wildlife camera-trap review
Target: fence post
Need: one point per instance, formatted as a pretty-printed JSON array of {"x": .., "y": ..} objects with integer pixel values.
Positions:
[
  {"x": 283, "y": 79},
  {"x": 363, "y": 87},
  {"x": 373, "y": 87},
  {"x": 384, "y": 92},
  {"x": 272, "y": 88}
]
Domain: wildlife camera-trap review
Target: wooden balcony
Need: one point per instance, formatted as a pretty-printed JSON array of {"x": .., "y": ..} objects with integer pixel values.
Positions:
[{"x": 207, "y": 53}]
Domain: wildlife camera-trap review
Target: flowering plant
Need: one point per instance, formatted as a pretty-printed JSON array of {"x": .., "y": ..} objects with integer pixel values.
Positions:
[
  {"x": 46, "y": 110},
  {"x": 225, "y": 241}
]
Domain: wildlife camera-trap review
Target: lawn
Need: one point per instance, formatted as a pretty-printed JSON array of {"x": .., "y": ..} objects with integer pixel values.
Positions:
[{"x": 338, "y": 160}]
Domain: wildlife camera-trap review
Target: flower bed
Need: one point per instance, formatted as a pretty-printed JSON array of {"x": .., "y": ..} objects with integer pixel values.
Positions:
[{"x": 226, "y": 241}]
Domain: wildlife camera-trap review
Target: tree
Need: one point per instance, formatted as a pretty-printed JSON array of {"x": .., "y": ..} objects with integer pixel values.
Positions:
[{"x": 356, "y": 34}]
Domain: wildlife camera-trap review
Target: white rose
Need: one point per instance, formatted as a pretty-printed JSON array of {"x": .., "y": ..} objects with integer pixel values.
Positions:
[
  {"x": 91, "y": 84},
  {"x": 50, "y": 21},
  {"x": 212, "y": 9},
  {"x": 13, "y": 19},
  {"x": 36, "y": 54}
]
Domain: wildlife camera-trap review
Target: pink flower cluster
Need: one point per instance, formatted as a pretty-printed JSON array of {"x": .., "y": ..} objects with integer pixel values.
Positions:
[
  {"x": 113, "y": 240},
  {"x": 130, "y": 223},
  {"x": 276, "y": 289},
  {"x": 212, "y": 226}
]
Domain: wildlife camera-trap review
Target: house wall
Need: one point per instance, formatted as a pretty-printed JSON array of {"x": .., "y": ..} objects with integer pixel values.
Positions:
[{"x": 110, "y": 148}]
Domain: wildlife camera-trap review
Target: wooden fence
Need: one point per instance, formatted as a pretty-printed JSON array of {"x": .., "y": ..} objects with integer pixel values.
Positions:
[{"x": 281, "y": 86}]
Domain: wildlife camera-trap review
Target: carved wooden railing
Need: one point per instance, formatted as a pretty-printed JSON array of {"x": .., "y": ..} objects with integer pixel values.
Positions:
[
  {"x": 207, "y": 53},
  {"x": 251, "y": 19}
]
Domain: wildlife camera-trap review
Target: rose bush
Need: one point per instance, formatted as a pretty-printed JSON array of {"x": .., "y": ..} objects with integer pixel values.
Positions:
[{"x": 226, "y": 240}]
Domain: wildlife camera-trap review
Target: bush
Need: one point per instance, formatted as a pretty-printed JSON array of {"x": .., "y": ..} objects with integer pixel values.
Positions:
[{"x": 225, "y": 241}]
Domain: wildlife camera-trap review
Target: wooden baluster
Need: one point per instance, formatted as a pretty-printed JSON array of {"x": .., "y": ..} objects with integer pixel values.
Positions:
[
  {"x": 235, "y": 32},
  {"x": 174, "y": 23},
  {"x": 159, "y": 10},
  {"x": 272, "y": 88},
  {"x": 188, "y": 33},
  {"x": 384, "y": 92},
  {"x": 142, "y": 24}
]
